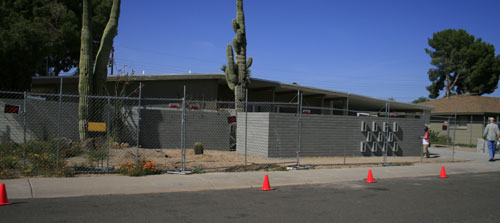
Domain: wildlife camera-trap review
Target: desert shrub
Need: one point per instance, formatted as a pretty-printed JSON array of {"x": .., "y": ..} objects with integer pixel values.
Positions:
[
  {"x": 96, "y": 155},
  {"x": 141, "y": 168},
  {"x": 10, "y": 149},
  {"x": 40, "y": 147},
  {"x": 45, "y": 164},
  {"x": 67, "y": 149},
  {"x": 437, "y": 138},
  {"x": 10, "y": 155},
  {"x": 8, "y": 166},
  {"x": 43, "y": 159},
  {"x": 72, "y": 150},
  {"x": 198, "y": 170}
]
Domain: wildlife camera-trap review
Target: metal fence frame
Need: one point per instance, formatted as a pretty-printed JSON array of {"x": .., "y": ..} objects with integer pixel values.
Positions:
[{"x": 141, "y": 105}]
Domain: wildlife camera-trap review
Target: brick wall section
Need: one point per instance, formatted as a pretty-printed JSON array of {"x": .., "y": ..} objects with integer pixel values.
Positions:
[{"x": 324, "y": 135}]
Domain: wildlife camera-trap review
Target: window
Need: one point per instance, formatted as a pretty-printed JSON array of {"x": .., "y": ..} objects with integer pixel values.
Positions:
[{"x": 462, "y": 121}]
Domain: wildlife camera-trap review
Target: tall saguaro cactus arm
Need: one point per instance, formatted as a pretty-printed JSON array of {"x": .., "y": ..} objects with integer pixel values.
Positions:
[
  {"x": 231, "y": 75},
  {"x": 237, "y": 71},
  {"x": 102, "y": 58},
  {"x": 85, "y": 84},
  {"x": 93, "y": 76}
]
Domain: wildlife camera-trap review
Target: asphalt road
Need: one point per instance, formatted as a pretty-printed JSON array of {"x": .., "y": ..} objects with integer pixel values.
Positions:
[{"x": 460, "y": 198}]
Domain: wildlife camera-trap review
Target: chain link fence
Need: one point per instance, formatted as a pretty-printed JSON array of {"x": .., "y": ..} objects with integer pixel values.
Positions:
[
  {"x": 460, "y": 130},
  {"x": 59, "y": 134},
  {"x": 466, "y": 129}
]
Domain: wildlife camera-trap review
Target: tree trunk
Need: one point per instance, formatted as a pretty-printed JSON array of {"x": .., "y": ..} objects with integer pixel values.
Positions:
[{"x": 447, "y": 93}]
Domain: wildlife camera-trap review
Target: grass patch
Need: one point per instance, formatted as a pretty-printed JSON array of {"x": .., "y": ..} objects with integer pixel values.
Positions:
[{"x": 198, "y": 170}]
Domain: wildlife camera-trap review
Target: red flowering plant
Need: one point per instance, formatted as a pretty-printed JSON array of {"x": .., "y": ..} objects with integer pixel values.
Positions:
[{"x": 141, "y": 168}]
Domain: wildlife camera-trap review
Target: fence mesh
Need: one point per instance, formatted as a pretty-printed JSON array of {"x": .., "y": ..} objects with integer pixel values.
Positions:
[{"x": 59, "y": 134}]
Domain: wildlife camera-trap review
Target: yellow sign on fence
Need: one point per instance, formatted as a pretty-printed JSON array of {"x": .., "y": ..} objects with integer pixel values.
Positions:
[{"x": 97, "y": 127}]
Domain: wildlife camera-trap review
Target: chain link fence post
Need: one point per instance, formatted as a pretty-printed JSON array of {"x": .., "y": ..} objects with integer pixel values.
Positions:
[
  {"x": 246, "y": 123},
  {"x": 448, "y": 132},
  {"x": 183, "y": 132},
  {"x": 386, "y": 135},
  {"x": 59, "y": 117},
  {"x": 108, "y": 129},
  {"x": 421, "y": 137},
  {"x": 470, "y": 136},
  {"x": 346, "y": 113},
  {"x": 25, "y": 103},
  {"x": 454, "y": 136},
  {"x": 138, "y": 130},
  {"x": 299, "y": 132}
]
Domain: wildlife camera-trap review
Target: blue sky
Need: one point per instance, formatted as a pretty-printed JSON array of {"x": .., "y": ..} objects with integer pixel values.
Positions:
[{"x": 372, "y": 48}]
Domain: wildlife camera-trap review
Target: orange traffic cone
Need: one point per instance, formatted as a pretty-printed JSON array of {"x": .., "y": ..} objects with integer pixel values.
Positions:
[
  {"x": 370, "y": 177},
  {"x": 443, "y": 173},
  {"x": 3, "y": 195},
  {"x": 265, "y": 185}
]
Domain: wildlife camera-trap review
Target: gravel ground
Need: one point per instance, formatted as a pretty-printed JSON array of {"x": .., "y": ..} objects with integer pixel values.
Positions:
[{"x": 171, "y": 159}]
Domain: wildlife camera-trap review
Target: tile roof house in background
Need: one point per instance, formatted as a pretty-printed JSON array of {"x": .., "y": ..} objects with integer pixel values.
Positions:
[{"x": 471, "y": 112}]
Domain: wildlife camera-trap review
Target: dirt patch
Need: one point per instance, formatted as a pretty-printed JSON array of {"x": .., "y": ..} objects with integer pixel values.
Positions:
[
  {"x": 170, "y": 159},
  {"x": 231, "y": 161}
]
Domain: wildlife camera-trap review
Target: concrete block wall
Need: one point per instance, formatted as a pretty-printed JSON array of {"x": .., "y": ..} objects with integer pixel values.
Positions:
[
  {"x": 159, "y": 128},
  {"x": 162, "y": 129},
  {"x": 257, "y": 133},
  {"x": 324, "y": 135},
  {"x": 43, "y": 121},
  {"x": 269, "y": 134}
]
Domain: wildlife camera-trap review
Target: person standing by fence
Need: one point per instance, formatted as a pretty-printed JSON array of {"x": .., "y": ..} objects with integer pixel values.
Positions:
[
  {"x": 426, "y": 142},
  {"x": 491, "y": 134}
]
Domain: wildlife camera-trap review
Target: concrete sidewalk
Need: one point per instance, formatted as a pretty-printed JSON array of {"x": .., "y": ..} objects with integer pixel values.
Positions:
[{"x": 107, "y": 185}]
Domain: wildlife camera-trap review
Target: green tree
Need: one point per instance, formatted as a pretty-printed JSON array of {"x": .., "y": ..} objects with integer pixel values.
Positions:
[
  {"x": 420, "y": 100},
  {"x": 93, "y": 75},
  {"x": 44, "y": 34},
  {"x": 462, "y": 64}
]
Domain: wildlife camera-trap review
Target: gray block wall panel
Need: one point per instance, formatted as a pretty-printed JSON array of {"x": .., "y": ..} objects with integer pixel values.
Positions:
[
  {"x": 282, "y": 135},
  {"x": 257, "y": 134},
  {"x": 162, "y": 129},
  {"x": 43, "y": 121},
  {"x": 326, "y": 135}
]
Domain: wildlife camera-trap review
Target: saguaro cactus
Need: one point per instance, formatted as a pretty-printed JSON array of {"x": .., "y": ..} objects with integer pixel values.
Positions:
[
  {"x": 102, "y": 57},
  {"x": 237, "y": 74},
  {"x": 93, "y": 77},
  {"x": 85, "y": 84}
]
